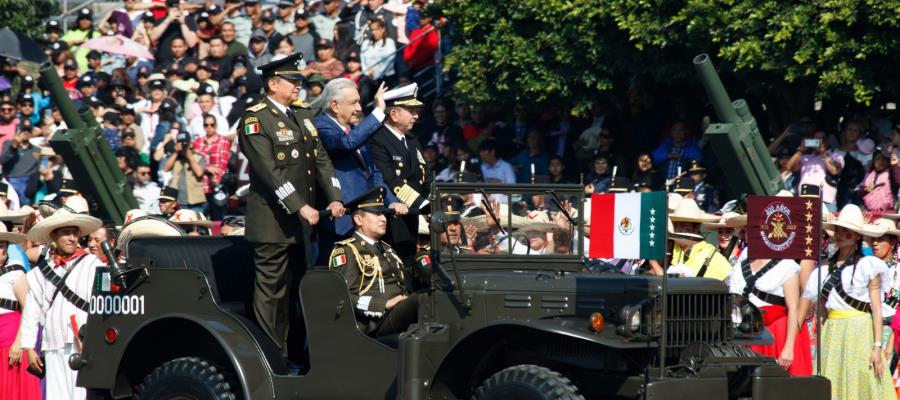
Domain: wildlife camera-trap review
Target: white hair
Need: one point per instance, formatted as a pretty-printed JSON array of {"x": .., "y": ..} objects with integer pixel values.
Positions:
[{"x": 334, "y": 90}]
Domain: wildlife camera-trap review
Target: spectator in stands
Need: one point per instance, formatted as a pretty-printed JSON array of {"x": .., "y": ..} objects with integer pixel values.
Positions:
[
  {"x": 149, "y": 109},
  {"x": 229, "y": 36},
  {"x": 26, "y": 110},
  {"x": 207, "y": 102},
  {"x": 599, "y": 179},
  {"x": 180, "y": 57},
  {"x": 76, "y": 36},
  {"x": 819, "y": 167},
  {"x": 327, "y": 19},
  {"x": 8, "y": 119},
  {"x": 556, "y": 169},
  {"x": 214, "y": 149},
  {"x": 146, "y": 191},
  {"x": 303, "y": 37},
  {"x": 142, "y": 33},
  {"x": 325, "y": 65},
  {"x": 644, "y": 172},
  {"x": 259, "y": 49},
  {"x": 175, "y": 25},
  {"x": 372, "y": 10},
  {"x": 676, "y": 151},
  {"x": 241, "y": 24},
  {"x": 344, "y": 44},
  {"x": 423, "y": 41},
  {"x": 19, "y": 161},
  {"x": 532, "y": 160},
  {"x": 284, "y": 24},
  {"x": 218, "y": 58},
  {"x": 284, "y": 46},
  {"x": 188, "y": 170},
  {"x": 877, "y": 190},
  {"x": 493, "y": 168},
  {"x": 478, "y": 130},
  {"x": 377, "y": 52},
  {"x": 267, "y": 26}
]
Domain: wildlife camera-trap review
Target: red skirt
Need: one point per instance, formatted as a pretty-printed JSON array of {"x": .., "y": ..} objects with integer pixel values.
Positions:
[
  {"x": 775, "y": 318},
  {"x": 15, "y": 381}
]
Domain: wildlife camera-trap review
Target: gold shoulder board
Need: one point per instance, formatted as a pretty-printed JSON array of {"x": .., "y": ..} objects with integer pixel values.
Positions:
[{"x": 256, "y": 107}]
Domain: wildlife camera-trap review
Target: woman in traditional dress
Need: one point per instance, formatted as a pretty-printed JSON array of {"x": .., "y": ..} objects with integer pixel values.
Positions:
[
  {"x": 884, "y": 248},
  {"x": 852, "y": 286},
  {"x": 774, "y": 287},
  {"x": 15, "y": 381}
]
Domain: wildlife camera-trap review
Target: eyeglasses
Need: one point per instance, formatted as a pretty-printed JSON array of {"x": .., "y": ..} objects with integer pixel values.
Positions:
[
  {"x": 143, "y": 172},
  {"x": 7, "y": 109},
  {"x": 210, "y": 125}
]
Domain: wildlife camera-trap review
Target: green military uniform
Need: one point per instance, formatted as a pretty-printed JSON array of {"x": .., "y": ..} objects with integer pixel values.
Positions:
[
  {"x": 374, "y": 275},
  {"x": 286, "y": 160},
  {"x": 449, "y": 213}
]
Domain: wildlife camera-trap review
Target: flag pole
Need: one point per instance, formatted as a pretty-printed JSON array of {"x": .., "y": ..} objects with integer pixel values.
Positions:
[
  {"x": 665, "y": 292},
  {"x": 819, "y": 296}
]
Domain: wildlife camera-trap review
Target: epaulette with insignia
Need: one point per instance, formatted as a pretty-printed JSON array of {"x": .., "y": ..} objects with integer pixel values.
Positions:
[
  {"x": 345, "y": 241},
  {"x": 256, "y": 107},
  {"x": 300, "y": 104}
]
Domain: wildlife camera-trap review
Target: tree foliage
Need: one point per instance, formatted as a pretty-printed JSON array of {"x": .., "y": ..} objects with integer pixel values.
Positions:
[
  {"x": 550, "y": 51},
  {"x": 27, "y": 16}
]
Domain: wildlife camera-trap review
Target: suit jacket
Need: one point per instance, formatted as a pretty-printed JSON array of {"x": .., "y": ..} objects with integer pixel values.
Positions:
[
  {"x": 356, "y": 178},
  {"x": 286, "y": 160},
  {"x": 402, "y": 165}
]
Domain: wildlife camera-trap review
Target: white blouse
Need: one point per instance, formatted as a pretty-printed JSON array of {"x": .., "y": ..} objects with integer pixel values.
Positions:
[
  {"x": 6, "y": 287},
  {"x": 867, "y": 268},
  {"x": 771, "y": 282},
  {"x": 892, "y": 272}
]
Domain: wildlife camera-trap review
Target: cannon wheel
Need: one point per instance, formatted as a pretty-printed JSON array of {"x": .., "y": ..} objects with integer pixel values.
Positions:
[
  {"x": 187, "y": 378},
  {"x": 527, "y": 382}
]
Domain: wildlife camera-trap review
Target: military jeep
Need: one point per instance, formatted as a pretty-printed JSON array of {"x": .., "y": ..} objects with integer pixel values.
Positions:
[{"x": 494, "y": 324}]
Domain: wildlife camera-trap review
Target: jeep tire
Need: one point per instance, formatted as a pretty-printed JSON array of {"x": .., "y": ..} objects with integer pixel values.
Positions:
[
  {"x": 186, "y": 378},
  {"x": 527, "y": 382}
]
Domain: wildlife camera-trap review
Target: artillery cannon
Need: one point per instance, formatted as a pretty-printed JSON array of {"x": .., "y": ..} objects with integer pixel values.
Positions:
[
  {"x": 736, "y": 140},
  {"x": 87, "y": 154}
]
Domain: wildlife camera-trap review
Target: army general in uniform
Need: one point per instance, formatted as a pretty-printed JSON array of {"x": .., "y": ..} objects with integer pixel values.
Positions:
[
  {"x": 287, "y": 161},
  {"x": 373, "y": 270}
]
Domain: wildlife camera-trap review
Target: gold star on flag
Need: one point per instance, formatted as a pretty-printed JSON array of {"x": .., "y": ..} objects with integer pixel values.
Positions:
[
  {"x": 808, "y": 240},
  {"x": 808, "y": 216},
  {"x": 809, "y": 204},
  {"x": 808, "y": 229},
  {"x": 808, "y": 252}
]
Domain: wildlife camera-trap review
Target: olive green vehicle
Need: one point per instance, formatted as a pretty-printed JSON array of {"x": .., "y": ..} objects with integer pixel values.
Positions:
[{"x": 491, "y": 326}]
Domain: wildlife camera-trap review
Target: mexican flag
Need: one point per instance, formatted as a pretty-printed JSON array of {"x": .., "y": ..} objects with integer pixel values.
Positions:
[{"x": 628, "y": 225}]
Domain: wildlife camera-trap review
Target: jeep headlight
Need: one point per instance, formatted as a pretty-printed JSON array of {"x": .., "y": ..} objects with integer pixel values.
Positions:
[
  {"x": 737, "y": 315},
  {"x": 631, "y": 319}
]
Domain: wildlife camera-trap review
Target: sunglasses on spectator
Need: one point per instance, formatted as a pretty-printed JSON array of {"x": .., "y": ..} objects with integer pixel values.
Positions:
[
  {"x": 143, "y": 172},
  {"x": 210, "y": 125},
  {"x": 7, "y": 109}
]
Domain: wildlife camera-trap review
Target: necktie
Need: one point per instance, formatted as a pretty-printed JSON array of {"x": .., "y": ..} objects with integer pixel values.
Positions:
[
  {"x": 379, "y": 247},
  {"x": 358, "y": 155},
  {"x": 403, "y": 142}
]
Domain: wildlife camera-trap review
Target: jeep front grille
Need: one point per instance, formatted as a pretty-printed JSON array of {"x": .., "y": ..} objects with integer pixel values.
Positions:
[{"x": 693, "y": 318}]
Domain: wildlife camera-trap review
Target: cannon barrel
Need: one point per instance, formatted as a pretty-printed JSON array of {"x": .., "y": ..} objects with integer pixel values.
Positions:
[
  {"x": 715, "y": 90},
  {"x": 60, "y": 96}
]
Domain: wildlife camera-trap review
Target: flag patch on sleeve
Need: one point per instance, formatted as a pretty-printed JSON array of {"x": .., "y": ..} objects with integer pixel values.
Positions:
[
  {"x": 251, "y": 129},
  {"x": 424, "y": 261},
  {"x": 338, "y": 260}
]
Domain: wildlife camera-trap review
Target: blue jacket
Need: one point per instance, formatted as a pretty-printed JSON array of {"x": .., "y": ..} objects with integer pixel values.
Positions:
[
  {"x": 661, "y": 154},
  {"x": 347, "y": 168}
]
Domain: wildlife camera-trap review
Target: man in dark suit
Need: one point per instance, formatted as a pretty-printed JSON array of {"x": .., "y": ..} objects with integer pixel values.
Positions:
[
  {"x": 346, "y": 145},
  {"x": 398, "y": 155},
  {"x": 287, "y": 162}
]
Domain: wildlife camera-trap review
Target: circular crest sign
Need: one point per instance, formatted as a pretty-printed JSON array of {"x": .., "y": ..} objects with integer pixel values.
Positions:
[{"x": 777, "y": 230}]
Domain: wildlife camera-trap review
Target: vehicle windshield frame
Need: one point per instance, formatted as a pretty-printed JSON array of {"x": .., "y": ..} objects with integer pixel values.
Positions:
[{"x": 482, "y": 262}]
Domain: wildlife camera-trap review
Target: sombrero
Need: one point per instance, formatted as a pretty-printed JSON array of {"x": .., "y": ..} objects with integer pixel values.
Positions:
[
  {"x": 682, "y": 238},
  {"x": 481, "y": 222},
  {"x": 537, "y": 221},
  {"x": 190, "y": 217},
  {"x": 14, "y": 216},
  {"x": 729, "y": 219},
  {"x": 6, "y": 236},
  {"x": 77, "y": 204},
  {"x": 888, "y": 225},
  {"x": 688, "y": 211},
  {"x": 674, "y": 201},
  {"x": 851, "y": 217},
  {"x": 63, "y": 217},
  {"x": 147, "y": 226}
]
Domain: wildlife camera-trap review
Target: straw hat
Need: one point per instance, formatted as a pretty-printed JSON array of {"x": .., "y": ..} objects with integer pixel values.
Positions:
[
  {"x": 688, "y": 211},
  {"x": 6, "y": 236},
  {"x": 134, "y": 214},
  {"x": 77, "y": 204},
  {"x": 537, "y": 221},
  {"x": 674, "y": 201},
  {"x": 888, "y": 225},
  {"x": 502, "y": 213},
  {"x": 851, "y": 217},
  {"x": 682, "y": 238},
  {"x": 190, "y": 217},
  {"x": 14, "y": 216},
  {"x": 729, "y": 219},
  {"x": 147, "y": 226},
  {"x": 237, "y": 232},
  {"x": 63, "y": 217}
]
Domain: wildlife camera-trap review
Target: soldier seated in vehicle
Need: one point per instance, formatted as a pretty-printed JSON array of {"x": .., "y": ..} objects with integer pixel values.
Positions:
[
  {"x": 374, "y": 271},
  {"x": 450, "y": 236}
]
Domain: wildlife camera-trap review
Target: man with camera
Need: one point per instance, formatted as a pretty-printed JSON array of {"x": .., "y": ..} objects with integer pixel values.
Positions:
[
  {"x": 188, "y": 169},
  {"x": 818, "y": 167},
  {"x": 19, "y": 161},
  {"x": 175, "y": 25}
]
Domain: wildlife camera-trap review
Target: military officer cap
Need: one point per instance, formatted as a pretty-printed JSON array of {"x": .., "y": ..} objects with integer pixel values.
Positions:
[
  {"x": 168, "y": 194},
  {"x": 684, "y": 186},
  {"x": 287, "y": 68},
  {"x": 807, "y": 190},
  {"x": 621, "y": 185},
  {"x": 451, "y": 206},
  {"x": 697, "y": 167},
  {"x": 372, "y": 201},
  {"x": 641, "y": 184},
  {"x": 404, "y": 96}
]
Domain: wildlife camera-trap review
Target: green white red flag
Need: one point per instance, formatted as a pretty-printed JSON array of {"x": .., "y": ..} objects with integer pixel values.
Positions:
[{"x": 628, "y": 226}]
